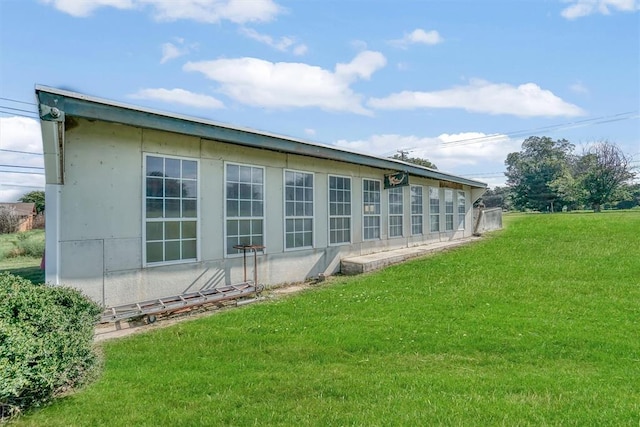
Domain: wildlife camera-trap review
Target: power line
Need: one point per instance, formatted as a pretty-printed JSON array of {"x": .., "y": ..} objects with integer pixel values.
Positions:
[
  {"x": 22, "y": 167},
  {"x": 23, "y": 172},
  {"x": 569, "y": 125},
  {"x": 15, "y": 100},
  {"x": 20, "y": 185},
  {"x": 21, "y": 152}
]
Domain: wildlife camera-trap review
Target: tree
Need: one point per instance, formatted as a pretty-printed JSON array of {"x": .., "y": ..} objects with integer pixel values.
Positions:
[
  {"x": 604, "y": 171},
  {"x": 498, "y": 197},
  {"x": 415, "y": 160},
  {"x": 36, "y": 197},
  {"x": 531, "y": 172}
]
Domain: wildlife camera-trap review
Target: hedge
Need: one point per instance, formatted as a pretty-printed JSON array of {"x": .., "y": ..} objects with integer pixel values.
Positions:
[{"x": 46, "y": 342}]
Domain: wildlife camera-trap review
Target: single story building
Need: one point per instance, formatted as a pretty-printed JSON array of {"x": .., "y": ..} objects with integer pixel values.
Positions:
[
  {"x": 143, "y": 204},
  {"x": 25, "y": 214}
]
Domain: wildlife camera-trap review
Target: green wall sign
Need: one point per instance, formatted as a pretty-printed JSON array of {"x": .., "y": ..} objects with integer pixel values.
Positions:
[{"x": 397, "y": 179}]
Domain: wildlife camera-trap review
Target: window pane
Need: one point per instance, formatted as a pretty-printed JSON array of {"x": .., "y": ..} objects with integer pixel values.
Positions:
[
  {"x": 154, "y": 252},
  {"x": 189, "y": 249},
  {"x": 257, "y": 208},
  {"x": 171, "y": 251},
  {"x": 154, "y": 231},
  {"x": 172, "y": 168},
  {"x": 155, "y": 187},
  {"x": 155, "y": 166},
  {"x": 245, "y": 208},
  {"x": 233, "y": 173},
  {"x": 232, "y": 208},
  {"x": 189, "y": 229},
  {"x": 189, "y": 169},
  {"x": 189, "y": 209},
  {"x": 232, "y": 228},
  {"x": 172, "y": 207},
  {"x": 172, "y": 188},
  {"x": 154, "y": 208},
  {"x": 189, "y": 189},
  {"x": 172, "y": 230}
]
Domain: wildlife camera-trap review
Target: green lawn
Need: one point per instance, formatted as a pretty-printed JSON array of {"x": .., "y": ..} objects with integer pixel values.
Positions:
[
  {"x": 538, "y": 324},
  {"x": 25, "y": 266}
]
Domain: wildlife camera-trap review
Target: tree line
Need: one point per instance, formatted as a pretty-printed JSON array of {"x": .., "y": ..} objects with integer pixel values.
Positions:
[{"x": 548, "y": 175}]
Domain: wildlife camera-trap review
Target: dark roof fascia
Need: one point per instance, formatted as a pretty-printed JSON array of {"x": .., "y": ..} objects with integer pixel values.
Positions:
[{"x": 73, "y": 104}]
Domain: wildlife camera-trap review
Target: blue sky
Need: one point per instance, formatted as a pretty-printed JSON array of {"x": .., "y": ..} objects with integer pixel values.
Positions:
[{"x": 461, "y": 83}]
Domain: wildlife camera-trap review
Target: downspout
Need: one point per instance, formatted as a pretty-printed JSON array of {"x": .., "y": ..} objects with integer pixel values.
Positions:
[{"x": 52, "y": 127}]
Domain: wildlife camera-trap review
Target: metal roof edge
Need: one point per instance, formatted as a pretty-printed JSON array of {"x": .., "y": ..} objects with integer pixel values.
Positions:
[{"x": 80, "y": 105}]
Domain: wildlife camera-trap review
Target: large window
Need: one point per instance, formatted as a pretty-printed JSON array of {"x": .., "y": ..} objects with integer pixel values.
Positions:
[
  {"x": 170, "y": 209},
  {"x": 448, "y": 210},
  {"x": 395, "y": 211},
  {"x": 339, "y": 210},
  {"x": 298, "y": 205},
  {"x": 462, "y": 210},
  {"x": 371, "y": 209},
  {"x": 416, "y": 210},
  {"x": 244, "y": 202},
  {"x": 434, "y": 209}
]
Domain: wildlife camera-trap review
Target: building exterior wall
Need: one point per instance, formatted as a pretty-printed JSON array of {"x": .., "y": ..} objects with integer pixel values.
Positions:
[{"x": 100, "y": 211}]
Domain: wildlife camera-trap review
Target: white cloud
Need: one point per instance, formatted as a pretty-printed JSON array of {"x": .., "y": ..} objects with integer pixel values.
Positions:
[
  {"x": 178, "y": 96},
  {"x": 261, "y": 83},
  {"x": 209, "y": 11},
  {"x": 581, "y": 8},
  {"x": 284, "y": 44},
  {"x": 480, "y": 96},
  {"x": 20, "y": 134},
  {"x": 310, "y": 132},
  {"x": 449, "y": 152},
  {"x": 171, "y": 51},
  {"x": 579, "y": 88},
  {"x": 418, "y": 36}
]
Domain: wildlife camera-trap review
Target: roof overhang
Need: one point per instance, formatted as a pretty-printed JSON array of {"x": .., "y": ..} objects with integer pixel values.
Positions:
[{"x": 56, "y": 104}]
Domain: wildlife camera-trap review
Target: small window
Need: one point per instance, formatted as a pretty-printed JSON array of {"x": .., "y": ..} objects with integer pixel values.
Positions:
[
  {"x": 448, "y": 210},
  {"x": 371, "y": 209},
  {"x": 396, "y": 208},
  {"x": 462, "y": 210},
  {"x": 416, "y": 210},
  {"x": 170, "y": 210},
  {"x": 339, "y": 210},
  {"x": 434, "y": 209},
  {"x": 298, "y": 206}
]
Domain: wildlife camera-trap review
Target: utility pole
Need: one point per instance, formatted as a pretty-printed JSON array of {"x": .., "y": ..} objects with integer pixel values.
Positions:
[{"x": 403, "y": 154}]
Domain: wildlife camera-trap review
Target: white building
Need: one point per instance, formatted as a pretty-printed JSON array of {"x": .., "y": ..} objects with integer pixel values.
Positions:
[{"x": 143, "y": 204}]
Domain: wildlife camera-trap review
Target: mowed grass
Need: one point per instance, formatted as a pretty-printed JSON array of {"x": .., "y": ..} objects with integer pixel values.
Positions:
[{"x": 538, "y": 324}]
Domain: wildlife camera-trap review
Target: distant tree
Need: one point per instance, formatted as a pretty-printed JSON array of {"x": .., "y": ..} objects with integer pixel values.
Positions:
[
  {"x": 36, "y": 197},
  {"x": 531, "y": 172},
  {"x": 498, "y": 197},
  {"x": 415, "y": 160},
  {"x": 632, "y": 199},
  {"x": 604, "y": 171}
]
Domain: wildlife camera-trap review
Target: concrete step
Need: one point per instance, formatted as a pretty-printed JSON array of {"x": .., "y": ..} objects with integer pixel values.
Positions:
[{"x": 375, "y": 261}]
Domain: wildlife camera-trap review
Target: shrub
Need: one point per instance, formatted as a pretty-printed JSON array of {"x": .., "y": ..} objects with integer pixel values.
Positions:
[
  {"x": 46, "y": 342},
  {"x": 9, "y": 221}
]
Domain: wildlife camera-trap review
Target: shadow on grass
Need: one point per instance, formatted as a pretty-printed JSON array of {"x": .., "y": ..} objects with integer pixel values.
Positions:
[{"x": 34, "y": 274}]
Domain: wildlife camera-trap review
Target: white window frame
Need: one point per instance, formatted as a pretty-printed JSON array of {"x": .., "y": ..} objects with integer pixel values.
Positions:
[
  {"x": 342, "y": 203},
  {"x": 392, "y": 206},
  {"x": 418, "y": 212},
  {"x": 434, "y": 215},
  {"x": 462, "y": 209},
  {"x": 227, "y": 218},
  {"x": 378, "y": 211},
  {"x": 448, "y": 210},
  {"x": 304, "y": 216},
  {"x": 165, "y": 220}
]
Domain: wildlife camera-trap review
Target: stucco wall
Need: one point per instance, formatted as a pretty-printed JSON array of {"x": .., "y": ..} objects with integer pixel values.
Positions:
[{"x": 100, "y": 215}]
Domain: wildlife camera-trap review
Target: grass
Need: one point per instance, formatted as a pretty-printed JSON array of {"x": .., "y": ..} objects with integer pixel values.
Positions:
[
  {"x": 538, "y": 324},
  {"x": 24, "y": 266}
]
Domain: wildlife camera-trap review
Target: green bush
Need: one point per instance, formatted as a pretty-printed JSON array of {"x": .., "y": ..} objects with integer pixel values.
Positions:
[
  {"x": 27, "y": 244},
  {"x": 46, "y": 342}
]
